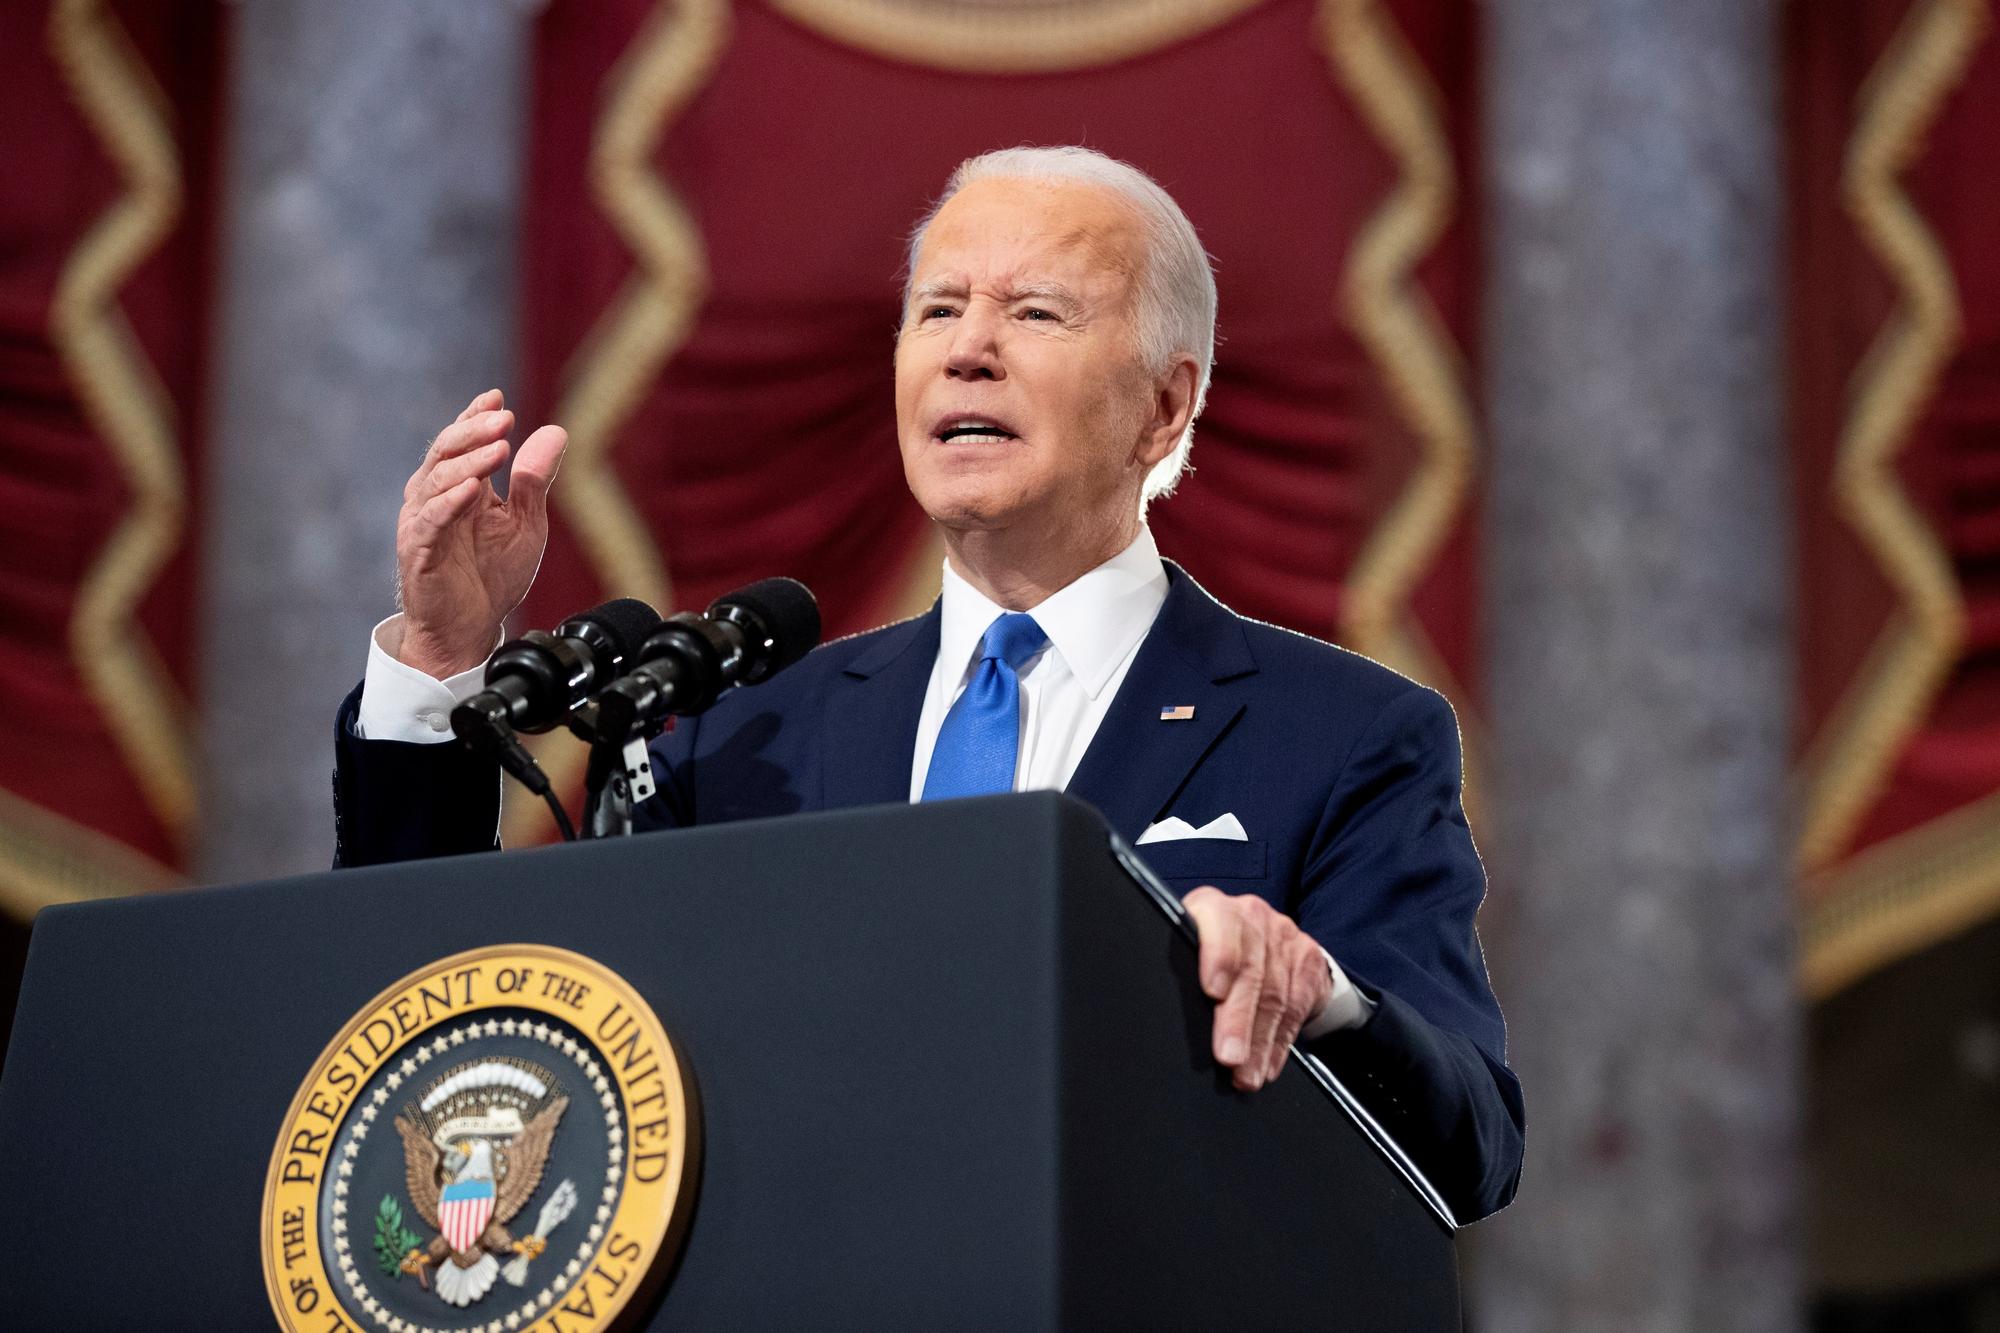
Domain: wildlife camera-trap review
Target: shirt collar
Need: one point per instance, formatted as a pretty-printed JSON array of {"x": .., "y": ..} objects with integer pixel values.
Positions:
[{"x": 1094, "y": 622}]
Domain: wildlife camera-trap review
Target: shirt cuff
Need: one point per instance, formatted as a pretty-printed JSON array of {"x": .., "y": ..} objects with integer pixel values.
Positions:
[
  {"x": 1346, "y": 1007},
  {"x": 401, "y": 703}
]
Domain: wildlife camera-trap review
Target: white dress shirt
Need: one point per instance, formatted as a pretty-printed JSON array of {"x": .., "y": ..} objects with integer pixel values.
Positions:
[
  {"x": 1095, "y": 627},
  {"x": 401, "y": 703}
]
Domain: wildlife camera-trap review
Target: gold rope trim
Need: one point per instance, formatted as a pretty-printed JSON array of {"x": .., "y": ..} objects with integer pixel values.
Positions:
[
  {"x": 1011, "y": 38},
  {"x": 45, "y": 859},
  {"x": 638, "y": 333},
  {"x": 1901, "y": 896},
  {"x": 1402, "y": 332},
  {"x": 1851, "y": 759},
  {"x": 123, "y": 398}
]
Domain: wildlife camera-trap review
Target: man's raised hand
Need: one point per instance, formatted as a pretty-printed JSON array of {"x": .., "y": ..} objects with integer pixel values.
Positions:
[
  {"x": 464, "y": 557},
  {"x": 1267, "y": 977}
]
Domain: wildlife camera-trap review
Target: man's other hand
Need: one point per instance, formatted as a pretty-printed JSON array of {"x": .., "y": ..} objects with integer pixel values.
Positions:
[
  {"x": 1267, "y": 977},
  {"x": 464, "y": 556}
]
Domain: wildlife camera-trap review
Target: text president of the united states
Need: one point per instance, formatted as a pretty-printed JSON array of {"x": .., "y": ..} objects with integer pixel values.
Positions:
[{"x": 1057, "y": 331}]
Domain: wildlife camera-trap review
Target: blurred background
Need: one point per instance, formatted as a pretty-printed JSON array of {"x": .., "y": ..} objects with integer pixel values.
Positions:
[{"x": 1630, "y": 372}]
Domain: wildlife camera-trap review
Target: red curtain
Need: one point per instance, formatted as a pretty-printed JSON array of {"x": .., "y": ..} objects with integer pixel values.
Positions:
[
  {"x": 716, "y": 206},
  {"x": 1893, "y": 108},
  {"x": 764, "y": 441},
  {"x": 104, "y": 284}
]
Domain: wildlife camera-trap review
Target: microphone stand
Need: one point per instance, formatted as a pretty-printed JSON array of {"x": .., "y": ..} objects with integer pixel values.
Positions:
[
  {"x": 620, "y": 773},
  {"x": 607, "y": 799}
]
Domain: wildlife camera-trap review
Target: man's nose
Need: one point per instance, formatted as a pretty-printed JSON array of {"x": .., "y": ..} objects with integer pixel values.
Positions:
[{"x": 974, "y": 352}]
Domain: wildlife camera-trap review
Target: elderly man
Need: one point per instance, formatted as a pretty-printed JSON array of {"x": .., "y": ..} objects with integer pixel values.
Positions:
[{"x": 1054, "y": 351}]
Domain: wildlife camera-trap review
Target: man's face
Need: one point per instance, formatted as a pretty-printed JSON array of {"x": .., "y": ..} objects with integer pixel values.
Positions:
[{"x": 1020, "y": 394}]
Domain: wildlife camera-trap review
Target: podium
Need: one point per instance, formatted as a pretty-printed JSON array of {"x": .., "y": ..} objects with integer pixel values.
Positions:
[{"x": 951, "y": 1065}]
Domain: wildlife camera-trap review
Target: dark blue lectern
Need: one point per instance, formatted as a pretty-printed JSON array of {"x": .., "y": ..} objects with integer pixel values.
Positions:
[{"x": 952, "y": 1063}]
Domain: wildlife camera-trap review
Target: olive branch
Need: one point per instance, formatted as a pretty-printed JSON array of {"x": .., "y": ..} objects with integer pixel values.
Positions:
[{"x": 393, "y": 1240}]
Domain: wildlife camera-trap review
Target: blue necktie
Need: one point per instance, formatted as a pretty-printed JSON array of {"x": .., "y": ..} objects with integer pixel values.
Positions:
[{"x": 980, "y": 741}]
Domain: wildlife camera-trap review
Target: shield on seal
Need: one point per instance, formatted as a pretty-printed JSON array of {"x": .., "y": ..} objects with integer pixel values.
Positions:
[{"x": 464, "y": 1209}]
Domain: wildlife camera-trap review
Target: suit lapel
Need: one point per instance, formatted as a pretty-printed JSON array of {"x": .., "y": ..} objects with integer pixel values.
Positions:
[
  {"x": 1137, "y": 763},
  {"x": 870, "y": 722}
]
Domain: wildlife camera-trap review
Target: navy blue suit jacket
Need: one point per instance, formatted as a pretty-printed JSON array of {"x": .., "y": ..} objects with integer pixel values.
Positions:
[{"x": 1344, "y": 774}]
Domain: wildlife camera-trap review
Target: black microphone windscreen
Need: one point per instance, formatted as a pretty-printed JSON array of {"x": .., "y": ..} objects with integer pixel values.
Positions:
[
  {"x": 627, "y": 620},
  {"x": 787, "y": 610}
]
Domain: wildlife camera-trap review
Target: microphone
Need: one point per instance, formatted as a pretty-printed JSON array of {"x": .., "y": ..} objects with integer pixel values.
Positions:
[
  {"x": 536, "y": 679},
  {"x": 685, "y": 665}
]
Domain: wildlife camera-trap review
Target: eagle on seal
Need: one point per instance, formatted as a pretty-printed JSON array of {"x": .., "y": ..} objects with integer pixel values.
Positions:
[{"x": 468, "y": 1193}]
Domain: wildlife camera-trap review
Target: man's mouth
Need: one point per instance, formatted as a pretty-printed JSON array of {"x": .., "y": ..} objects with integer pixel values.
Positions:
[{"x": 973, "y": 430}]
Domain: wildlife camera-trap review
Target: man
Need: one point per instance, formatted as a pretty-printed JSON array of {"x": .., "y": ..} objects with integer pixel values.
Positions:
[{"x": 1054, "y": 352}]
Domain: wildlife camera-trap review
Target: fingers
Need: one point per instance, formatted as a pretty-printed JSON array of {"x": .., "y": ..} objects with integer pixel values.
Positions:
[
  {"x": 1305, "y": 981},
  {"x": 1269, "y": 1010},
  {"x": 490, "y": 401},
  {"x": 535, "y": 467},
  {"x": 441, "y": 511},
  {"x": 479, "y": 463},
  {"x": 1222, "y": 965},
  {"x": 1220, "y": 941},
  {"x": 460, "y": 437},
  {"x": 1238, "y": 1016},
  {"x": 1268, "y": 976}
]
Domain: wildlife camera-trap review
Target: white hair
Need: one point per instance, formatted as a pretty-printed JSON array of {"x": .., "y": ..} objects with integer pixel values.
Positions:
[{"x": 1176, "y": 306}]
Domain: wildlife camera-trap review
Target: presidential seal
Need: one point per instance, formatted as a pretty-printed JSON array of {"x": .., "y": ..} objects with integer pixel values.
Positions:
[{"x": 504, "y": 1141}]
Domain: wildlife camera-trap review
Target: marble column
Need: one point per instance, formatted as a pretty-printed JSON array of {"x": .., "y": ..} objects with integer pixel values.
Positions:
[
  {"x": 367, "y": 294},
  {"x": 1639, "y": 669}
]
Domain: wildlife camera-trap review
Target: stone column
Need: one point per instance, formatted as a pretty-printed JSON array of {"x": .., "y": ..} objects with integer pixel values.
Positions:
[
  {"x": 1639, "y": 669},
  {"x": 367, "y": 294}
]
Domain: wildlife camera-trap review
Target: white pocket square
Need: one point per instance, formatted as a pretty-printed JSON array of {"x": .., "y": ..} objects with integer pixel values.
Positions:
[{"x": 1227, "y": 827}]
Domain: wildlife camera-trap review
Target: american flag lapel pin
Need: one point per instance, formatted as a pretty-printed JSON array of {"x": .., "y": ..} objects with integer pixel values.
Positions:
[{"x": 1178, "y": 713}]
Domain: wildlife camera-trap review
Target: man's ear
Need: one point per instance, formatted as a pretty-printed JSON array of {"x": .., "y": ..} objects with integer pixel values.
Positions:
[{"x": 1173, "y": 408}]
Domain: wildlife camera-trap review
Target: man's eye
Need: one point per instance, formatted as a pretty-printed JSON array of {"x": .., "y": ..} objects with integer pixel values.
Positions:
[
  {"x": 1033, "y": 312},
  {"x": 938, "y": 312}
]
